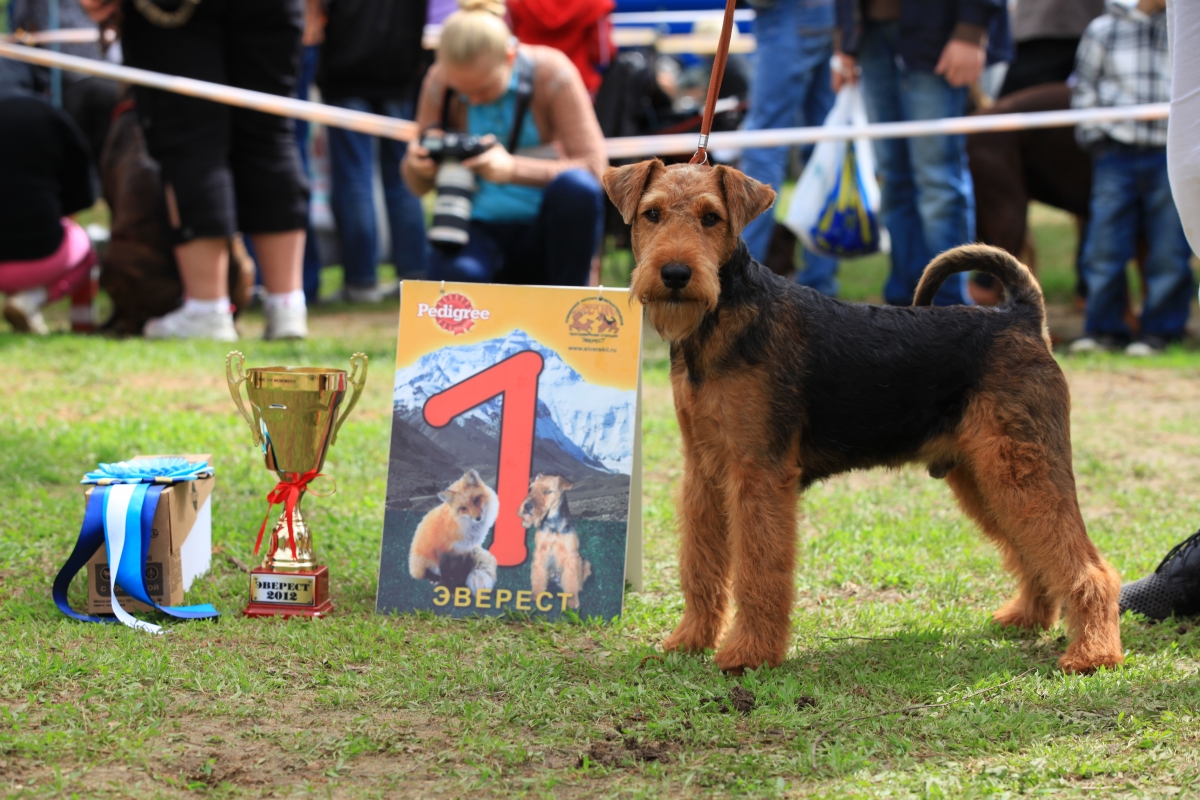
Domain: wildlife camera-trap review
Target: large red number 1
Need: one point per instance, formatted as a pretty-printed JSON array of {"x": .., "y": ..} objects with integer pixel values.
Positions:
[{"x": 516, "y": 378}]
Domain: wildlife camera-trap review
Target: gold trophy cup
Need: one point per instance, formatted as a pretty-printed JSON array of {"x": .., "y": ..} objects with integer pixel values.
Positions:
[{"x": 295, "y": 421}]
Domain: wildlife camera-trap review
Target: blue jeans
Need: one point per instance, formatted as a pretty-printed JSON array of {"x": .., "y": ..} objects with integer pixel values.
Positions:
[
  {"x": 352, "y": 168},
  {"x": 927, "y": 196},
  {"x": 1131, "y": 194},
  {"x": 312, "y": 251},
  {"x": 791, "y": 89},
  {"x": 555, "y": 249}
]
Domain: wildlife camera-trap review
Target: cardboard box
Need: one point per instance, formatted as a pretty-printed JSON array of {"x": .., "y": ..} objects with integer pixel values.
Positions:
[{"x": 180, "y": 547}]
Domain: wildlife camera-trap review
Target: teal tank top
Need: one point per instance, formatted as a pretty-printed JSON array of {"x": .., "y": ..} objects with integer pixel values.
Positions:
[{"x": 504, "y": 202}]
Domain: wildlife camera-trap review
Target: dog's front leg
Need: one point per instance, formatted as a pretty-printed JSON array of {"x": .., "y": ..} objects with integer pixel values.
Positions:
[
  {"x": 762, "y": 510},
  {"x": 703, "y": 563}
]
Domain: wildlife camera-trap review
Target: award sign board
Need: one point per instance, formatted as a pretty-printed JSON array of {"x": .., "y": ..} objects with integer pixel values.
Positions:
[{"x": 515, "y": 452}]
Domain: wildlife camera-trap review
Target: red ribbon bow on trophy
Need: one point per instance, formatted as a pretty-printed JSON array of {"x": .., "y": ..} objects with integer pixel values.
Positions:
[{"x": 288, "y": 493}]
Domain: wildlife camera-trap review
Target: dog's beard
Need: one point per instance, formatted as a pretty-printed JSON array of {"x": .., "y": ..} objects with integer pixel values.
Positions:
[
  {"x": 675, "y": 319},
  {"x": 675, "y": 314}
]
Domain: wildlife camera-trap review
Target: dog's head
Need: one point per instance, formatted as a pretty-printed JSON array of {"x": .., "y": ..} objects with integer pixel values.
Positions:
[
  {"x": 686, "y": 222},
  {"x": 545, "y": 496}
]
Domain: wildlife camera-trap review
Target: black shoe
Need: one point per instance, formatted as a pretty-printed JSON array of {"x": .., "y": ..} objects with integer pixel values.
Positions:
[{"x": 1173, "y": 588}]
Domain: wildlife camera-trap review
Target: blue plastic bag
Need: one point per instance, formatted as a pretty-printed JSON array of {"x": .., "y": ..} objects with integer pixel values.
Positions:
[{"x": 834, "y": 209}]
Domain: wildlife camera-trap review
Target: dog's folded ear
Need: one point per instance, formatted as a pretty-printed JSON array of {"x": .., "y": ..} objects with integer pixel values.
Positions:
[
  {"x": 625, "y": 185},
  {"x": 745, "y": 197}
]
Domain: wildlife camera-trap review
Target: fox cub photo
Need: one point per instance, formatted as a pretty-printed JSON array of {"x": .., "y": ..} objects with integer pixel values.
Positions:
[{"x": 448, "y": 545}]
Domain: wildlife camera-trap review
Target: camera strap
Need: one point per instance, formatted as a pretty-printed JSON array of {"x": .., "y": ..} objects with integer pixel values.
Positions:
[
  {"x": 524, "y": 67},
  {"x": 524, "y": 71}
]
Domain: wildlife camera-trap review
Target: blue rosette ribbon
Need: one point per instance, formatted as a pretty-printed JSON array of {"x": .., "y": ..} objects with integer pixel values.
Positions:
[{"x": 120, "y": 515}]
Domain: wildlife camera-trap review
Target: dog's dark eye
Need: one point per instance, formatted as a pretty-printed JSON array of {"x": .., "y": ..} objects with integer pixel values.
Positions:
[
  {"x": 462, "y": 510},
  {"x": 545, "y": 491},
  {"x": 651, "y": 214},
  {"x": 709, "y": 219}
]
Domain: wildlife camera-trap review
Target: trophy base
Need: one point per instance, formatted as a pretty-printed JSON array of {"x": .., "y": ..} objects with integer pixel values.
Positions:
[{"x": 303, "y": 593}]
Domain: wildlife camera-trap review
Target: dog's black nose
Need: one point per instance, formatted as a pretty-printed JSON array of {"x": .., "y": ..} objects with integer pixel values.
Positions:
[{"x": 676, "y": 276}]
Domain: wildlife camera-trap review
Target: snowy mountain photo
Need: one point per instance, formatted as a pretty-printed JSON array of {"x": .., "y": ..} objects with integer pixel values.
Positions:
[{"x": 592, "y": 424}]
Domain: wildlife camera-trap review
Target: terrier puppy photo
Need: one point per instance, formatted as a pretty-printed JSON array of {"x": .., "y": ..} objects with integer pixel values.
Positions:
[
  {"x": 777, "y": 387},
  {"x": 447, "y": 547},
  {"x": 556, "y": 544}
]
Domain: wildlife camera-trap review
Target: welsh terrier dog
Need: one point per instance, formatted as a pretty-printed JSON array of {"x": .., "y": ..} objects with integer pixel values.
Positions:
[
  {"x": 556, "y": 543},
  {"x": 777, "y": 387}
]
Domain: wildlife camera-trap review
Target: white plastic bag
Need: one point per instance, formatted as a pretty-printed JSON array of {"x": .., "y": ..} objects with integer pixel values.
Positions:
[{"x": 834, "y": 209}]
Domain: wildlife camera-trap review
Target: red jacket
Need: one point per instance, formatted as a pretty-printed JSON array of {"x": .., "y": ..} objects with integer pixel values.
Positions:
[{"x": 579, "y": 28}]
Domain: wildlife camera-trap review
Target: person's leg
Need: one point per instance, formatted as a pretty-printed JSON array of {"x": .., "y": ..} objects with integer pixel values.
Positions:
[
  {"x": 1111, "y": 234},
  {"x": 406, "y": 216},
  {"x": 312, "y": 250},
  {"x": 881, "y": 92},
  {"x": 1168, "y": 271},
  {"x": 568, "y": 228},
  {"x": 776, "y": 101},
  {"x": 478, "y": 261},
  {"x": 1183, "y": 146},
  {"x": 263, "y": 49},
  {"x": 945, "y": 195},
  {"x": 351, "y": 196}
]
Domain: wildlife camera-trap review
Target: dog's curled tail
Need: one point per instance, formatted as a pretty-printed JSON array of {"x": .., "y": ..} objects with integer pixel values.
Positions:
[{"x": 1022, "y": 287}]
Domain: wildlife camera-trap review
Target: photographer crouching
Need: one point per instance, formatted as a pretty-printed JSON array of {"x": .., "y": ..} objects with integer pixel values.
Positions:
[{"x": 501, "y": 217}]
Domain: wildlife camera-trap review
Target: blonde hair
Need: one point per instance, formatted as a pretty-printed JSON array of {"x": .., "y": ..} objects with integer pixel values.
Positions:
[{"x": 477, "y": 28}]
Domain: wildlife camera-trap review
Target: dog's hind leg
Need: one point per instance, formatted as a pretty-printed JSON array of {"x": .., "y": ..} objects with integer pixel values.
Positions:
[
  {"x": 1032, "y": 607},
  {"x": 762, "y": 511},
  {"x": 1030, "y": 489},
  {"x": 703, "y": 564}
]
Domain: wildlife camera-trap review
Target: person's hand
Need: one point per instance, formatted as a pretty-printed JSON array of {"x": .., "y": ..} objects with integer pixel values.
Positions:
[
  {"x": 845, "y": 72},
  {"x": 99, "y": 10},
  {"x": 418, "y": 160},
  {"x": 494, "y": 164},
  {"x": 961, "y": 63}
]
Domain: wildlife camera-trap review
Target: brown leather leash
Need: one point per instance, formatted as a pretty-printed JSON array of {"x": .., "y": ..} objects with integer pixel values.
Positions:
[{"x": 714, "y": 84}]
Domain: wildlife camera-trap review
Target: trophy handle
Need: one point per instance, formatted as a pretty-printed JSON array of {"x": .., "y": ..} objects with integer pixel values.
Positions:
[
  {"x": 358, "y": 379},
  {"x": 235, "y": 386}
]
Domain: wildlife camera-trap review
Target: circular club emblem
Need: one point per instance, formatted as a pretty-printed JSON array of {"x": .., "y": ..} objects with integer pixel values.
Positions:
[
  {"x": 455, "y": 313},
  {"x": 594, "y": 318}
]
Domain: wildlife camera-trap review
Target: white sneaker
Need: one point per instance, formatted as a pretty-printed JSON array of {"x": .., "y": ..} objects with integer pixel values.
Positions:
[
  {"x": 286, "y": 322},
  {"x": 23, "y": 310},
  {"x": 185, "y": 324}
]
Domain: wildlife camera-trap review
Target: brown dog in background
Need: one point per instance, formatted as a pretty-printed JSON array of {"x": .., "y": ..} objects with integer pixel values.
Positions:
[
  {"x": 556, "y": 543},
  {"x": 777, "y": 387},
  {"x": 139, "y": 271}
]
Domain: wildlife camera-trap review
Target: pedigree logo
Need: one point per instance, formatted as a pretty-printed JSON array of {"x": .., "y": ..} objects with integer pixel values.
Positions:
[{"x": 453, "y": 312}]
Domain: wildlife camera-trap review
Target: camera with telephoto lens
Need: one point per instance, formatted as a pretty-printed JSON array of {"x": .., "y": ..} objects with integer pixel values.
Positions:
[{"x": 455, "y": 185}]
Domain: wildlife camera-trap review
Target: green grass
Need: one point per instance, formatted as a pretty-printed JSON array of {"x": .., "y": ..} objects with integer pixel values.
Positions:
[
  {"x": 361, "y": 705},
  {"x": 894, "y": 586}
]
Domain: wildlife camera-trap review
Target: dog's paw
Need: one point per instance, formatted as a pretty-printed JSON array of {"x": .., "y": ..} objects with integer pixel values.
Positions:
[
  {"x": 1017, "y": 614},
  {"x": 692, "y": 637},
  {"x": 1079, "y": 661},
  {"x": 741, "y": 652}
]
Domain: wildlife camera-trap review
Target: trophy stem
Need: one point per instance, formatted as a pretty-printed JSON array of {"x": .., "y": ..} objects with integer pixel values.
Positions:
[{"x": 279, "y": 556}]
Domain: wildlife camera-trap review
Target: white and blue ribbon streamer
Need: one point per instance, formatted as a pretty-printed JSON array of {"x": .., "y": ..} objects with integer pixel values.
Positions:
[{"x": 120, "y": 515}]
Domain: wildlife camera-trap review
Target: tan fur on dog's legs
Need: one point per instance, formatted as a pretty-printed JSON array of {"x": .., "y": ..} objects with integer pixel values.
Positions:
[
  {"x": 762, "y": 507},
  {"x": 572, "y": 578},
  {"x": 1031, "y": 490},
  {"x": 704, "y": 561},
  {"x": 1032, "y": 607}
]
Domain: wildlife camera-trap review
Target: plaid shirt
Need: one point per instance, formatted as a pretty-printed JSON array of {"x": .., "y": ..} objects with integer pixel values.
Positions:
[{"x": 1122, "y": 61}]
